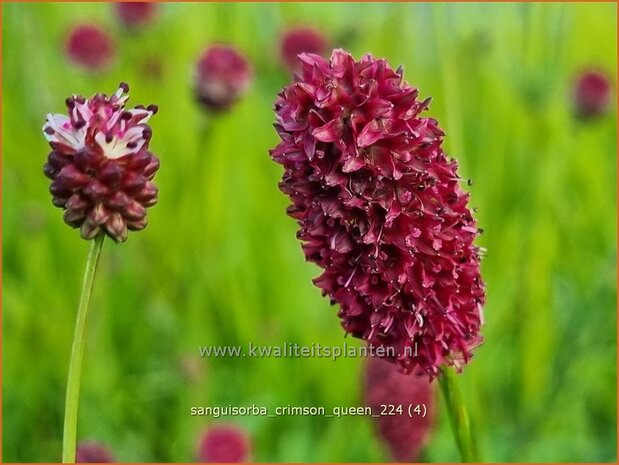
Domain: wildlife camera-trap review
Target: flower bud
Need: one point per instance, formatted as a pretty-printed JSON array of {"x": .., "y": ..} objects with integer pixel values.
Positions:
[
  {"x": 406, "y": 425},
  {"x": 135, "y": 15},
  {"x": 224, "y": 444},
  {"x": 592, "y": 94},
  {"x": 222, "y": 76},
  {"x": 93, "y": 452},
  {"x": 301, "y": 40},
  {"x": 89, "y": 47}
]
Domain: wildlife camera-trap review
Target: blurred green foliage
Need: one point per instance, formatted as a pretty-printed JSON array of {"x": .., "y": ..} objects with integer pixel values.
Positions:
[{"x": 219, "y": 263}]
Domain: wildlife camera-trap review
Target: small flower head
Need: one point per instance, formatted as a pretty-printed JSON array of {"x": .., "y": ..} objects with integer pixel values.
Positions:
[
  {"x": 301, "y": 40},
  {"x": 224, "y": 444},
  {"x": 407, "y": 433},
  {"x": 592, "y": 94},
  {"x": 222, "y": 76},
  {"x": 100, "y": 167},
  {"x": 90, "y": 47},
  {"x": 381, "y": 210},
  {"x": 92, "y": 452},
  {"x": 134, "y": 15}
]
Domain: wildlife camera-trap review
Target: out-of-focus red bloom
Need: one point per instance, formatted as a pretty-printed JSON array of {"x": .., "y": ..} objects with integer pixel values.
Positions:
[
  {"x": 222, "y": 76},
  {"x": 100, "y": 166},
  {"x": 135, "y": 15},
  {"x": 381, "y": 210},
  {"x": 301, "y": 40},
  {"x": 93, "y": 452},
  {"x": 592, "y": 94},
  {"x": 224, "y": 444},
  {"x": 90, "y": 47},
  {"x": 404, "y": 431}
]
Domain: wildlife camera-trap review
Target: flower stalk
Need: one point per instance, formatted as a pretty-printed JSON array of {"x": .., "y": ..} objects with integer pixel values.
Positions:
[
  {"x": 458, "y": 415},
  {"x": 77, "y": 353}
]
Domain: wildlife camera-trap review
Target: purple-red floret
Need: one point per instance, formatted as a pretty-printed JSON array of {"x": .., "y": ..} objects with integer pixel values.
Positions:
[
  {"x": 381, "y": 210},
  {"x": 100, "y": 166}
]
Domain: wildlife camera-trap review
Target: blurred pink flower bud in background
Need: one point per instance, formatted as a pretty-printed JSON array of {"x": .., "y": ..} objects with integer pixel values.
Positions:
[
  {"x": 301, "y": 40},
  {"x": 222, "y": 76},
  {"x": 384, "y": 385},
  {"x": 93, "y": 452},
  {"x": 135, "y": 15},
  {"x": 225, "y": 443},
  {"x": 90, "y": 47},
  {"x": 592, "y": 94}
]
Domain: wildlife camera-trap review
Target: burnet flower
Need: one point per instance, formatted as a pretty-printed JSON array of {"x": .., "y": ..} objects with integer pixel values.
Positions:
[
  {"x": 592, "y": 92},
  {"x": 224, "y": 443},
  {"x": 93, "y": 452},
  {"x": 381, "y": 210},
  {"x": 222, "y": 76},
  {"x": 404, "y": 432},
  {"x": 135, "y": 15},
  {"x": 301, "y": 40},
  {"x": 89, "y": 47},
  {"x": 100, "y": 167}
]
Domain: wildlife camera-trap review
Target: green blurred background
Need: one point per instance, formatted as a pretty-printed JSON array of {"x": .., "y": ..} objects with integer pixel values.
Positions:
[{"x": 219, "y": 262}]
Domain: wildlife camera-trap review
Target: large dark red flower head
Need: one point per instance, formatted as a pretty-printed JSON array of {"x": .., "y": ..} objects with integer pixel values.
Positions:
[
  {"x": 100, "y": 166},
  {"x": 90, "y": 47},
  {"x": 92, "y": 452},
  {"x": 404, "y": 430},
  {"x": 134, "y": 15},
  {"x": 592, "y": 94},
  {"x": 222, "y": 76},
  {"x": 224, "y": 444},
  {"x": 301, "y": 40},
  {"x": 381, "y": 210}
]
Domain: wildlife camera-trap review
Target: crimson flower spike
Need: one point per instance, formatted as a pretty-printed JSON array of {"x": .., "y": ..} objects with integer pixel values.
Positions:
[{"x": 381, "y": 210}]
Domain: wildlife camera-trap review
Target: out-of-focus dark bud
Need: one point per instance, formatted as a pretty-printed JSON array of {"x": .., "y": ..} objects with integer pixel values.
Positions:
[
  {"x": 301, "y": 40},
  {"x": 592, "y": 94},
  {"x": 222, "y": 76},
  {"x": 405, "y": 431},
  {"x": 135, "y": 15},
  {"x": 224, "y": 444},
  {"x": 93, "y": 452},
  {"x": 89, "y": 47}
]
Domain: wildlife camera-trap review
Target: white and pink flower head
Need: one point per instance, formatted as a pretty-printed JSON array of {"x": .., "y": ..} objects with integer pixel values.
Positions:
[{"x": 100, "y": 166}]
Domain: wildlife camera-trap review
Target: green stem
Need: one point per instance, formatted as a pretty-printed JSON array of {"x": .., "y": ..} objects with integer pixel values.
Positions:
[
  {"x": 69, "y": 441},
  {"x": 458, "y": 415}
]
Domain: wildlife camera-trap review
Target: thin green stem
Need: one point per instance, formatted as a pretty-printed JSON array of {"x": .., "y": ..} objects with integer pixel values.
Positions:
[
  {"x": 458, "y": 415},
  {"x": 69, "y": 441}
]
